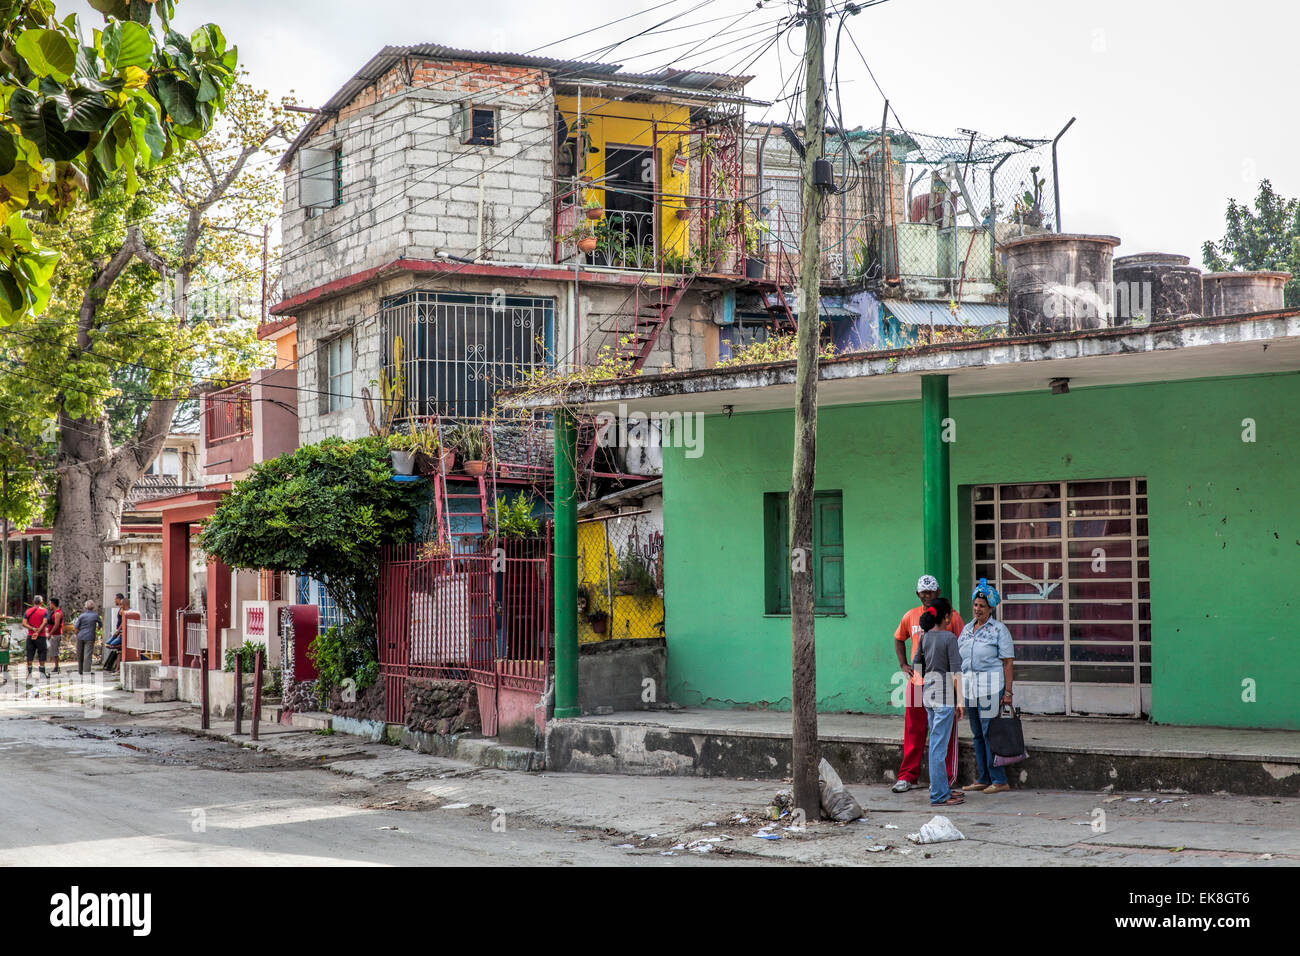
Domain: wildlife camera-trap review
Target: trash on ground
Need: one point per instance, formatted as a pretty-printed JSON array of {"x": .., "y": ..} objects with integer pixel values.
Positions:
[
  {"x": 938, "y": 830},
  {"x": 877, "y": 848},
  {"x": 891, "y": 826},
  {"x": 625, "y": 846},
  {"x": 837, "y": 803},
  {"x": 455, "y": 806},
  {"x": 763, "y": 835}
]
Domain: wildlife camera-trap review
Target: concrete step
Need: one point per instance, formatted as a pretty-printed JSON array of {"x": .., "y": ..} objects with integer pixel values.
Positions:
[
  {"x": 150, "y": 695},
  {"x": 312, "y": 720},
  {"x": 167, "y": 686}
]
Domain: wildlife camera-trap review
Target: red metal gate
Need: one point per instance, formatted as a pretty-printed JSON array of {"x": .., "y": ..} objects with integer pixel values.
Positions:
[{"x": 483, "y": 617}]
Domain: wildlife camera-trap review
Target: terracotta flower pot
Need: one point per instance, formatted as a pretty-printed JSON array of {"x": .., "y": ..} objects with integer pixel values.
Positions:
[
  {"x": 587, "y": 244},
  {"x": 447, "y": 461},
  {"x": 682, "y": 212},
  {"x": 475, "y": 469},
  {"x": 595, "y": 213}
]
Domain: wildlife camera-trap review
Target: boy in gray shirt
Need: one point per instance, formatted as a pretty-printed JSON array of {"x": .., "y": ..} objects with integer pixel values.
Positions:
[{"x": 939, "y": 662}]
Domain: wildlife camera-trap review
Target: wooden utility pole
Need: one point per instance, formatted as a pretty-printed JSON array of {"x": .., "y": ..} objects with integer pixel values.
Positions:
[{"x": 806, "y": 752}]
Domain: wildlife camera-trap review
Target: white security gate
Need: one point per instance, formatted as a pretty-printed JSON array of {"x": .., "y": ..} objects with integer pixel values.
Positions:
[{"x": 1070, "y": 561}]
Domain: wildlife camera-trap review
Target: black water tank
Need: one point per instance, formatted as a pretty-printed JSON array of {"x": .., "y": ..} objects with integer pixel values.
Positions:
[{"x": 1156, "y": 286}]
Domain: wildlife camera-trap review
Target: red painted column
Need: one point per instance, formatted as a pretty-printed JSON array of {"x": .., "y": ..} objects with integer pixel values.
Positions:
[
  {"x": 218, "y": 609},
  {"x": 176, "y": 584}
]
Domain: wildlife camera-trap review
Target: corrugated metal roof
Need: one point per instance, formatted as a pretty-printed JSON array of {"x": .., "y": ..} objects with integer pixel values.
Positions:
[
  {"x": 826, "y": 312},
  {"x": 936, "y": 312},
  {"x": 711, "y": 85}
]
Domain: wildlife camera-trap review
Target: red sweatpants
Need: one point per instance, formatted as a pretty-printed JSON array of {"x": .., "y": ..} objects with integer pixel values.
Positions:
[{"x": 915, "y": 726}]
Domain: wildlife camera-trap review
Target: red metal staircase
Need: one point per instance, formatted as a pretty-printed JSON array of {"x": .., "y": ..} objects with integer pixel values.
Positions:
[
  {"x": 443, "y": 498},
  {"x": 655, "y": 301}
]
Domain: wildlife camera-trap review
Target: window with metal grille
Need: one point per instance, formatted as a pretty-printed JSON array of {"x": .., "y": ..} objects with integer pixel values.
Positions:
[
  {"x": 458, "y": 349},
  {"x": 826, "y": 560},
  {"x": 1071, "y": 563},
  {"x": 338, "y": 375},
  {"x": 784, "y": 202}
]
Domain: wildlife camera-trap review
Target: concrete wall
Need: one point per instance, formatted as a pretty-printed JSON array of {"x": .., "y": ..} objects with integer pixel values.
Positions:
[
  {"x": 410, "y": 187},
  {"x": 613, "y": 674},
  {"x": 275, "y": 412},
  {"x": 1224, "y": 538}
]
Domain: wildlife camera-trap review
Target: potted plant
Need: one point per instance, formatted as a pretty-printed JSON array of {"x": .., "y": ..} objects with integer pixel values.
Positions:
[
  {"x": 432, "y": 456},
  {"x": 584, "y": 237},
  {"x": 597, "y": 619},
  {"x": 752, "y": 231},
  {"x": 635, "y": 575},
  {"x": 402, "y": 449},
  {"x": 593, "y": 208},
  {"x": 513, "y": 518},
  {"x": 468, "y": 440}
]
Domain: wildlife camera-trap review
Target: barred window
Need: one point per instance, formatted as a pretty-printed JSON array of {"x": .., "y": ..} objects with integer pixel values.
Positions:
[{"x": 458, "y": 349}]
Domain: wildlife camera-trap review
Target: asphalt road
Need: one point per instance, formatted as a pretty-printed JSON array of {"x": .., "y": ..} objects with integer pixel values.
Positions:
[{"x": 104, "y": 792}]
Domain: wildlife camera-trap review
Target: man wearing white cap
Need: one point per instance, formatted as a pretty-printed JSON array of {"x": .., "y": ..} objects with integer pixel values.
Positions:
[{"x": 915, "y": 724}]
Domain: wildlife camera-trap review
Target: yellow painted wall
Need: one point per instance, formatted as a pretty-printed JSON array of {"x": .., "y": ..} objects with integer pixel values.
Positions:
[
  {"x": 286, "y": 351},
  {"x": 633, "y": 124},
  {"x": 632, "y": 615}
]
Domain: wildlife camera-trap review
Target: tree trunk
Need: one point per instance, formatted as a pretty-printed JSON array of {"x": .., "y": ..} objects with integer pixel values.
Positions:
[
  {"x": 805, "y": 750},
  {"x": 93, "y": 485}
]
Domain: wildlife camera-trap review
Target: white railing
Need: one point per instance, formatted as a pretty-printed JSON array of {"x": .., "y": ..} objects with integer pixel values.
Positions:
[
  {"x": 144, "y": 636},
  {"x": 196, "y": 635}
]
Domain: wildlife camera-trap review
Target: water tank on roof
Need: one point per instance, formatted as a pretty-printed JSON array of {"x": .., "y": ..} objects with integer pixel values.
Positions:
[
  {"x": 1236, "y": 293},
  {"x": 1059, "y": 282},
  {"x": 1157, "y": 286}
]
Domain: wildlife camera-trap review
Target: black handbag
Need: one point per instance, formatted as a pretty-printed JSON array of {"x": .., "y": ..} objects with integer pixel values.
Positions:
[{"x": 1004, "y": 736}]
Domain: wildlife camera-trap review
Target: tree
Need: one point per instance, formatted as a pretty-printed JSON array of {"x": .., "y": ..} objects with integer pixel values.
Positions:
[
  {"x": 323, "y": 510},
  {"x": 1266, "y": 239},
  {"x": 79, "y": 114},
  {"x": 153, "y": 301}
]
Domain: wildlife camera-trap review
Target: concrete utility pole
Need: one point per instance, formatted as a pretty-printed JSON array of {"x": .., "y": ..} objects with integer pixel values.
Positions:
[{"x": 802, "y": 623}]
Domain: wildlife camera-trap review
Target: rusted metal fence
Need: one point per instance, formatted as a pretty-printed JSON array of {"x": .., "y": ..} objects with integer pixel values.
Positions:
[
  {"x": 228, "y": 414},
  {"x": 485, "y": 617}
]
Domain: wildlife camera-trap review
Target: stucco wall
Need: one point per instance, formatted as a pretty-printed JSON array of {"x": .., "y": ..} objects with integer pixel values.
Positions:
[{"x": 1224, "y": 538}]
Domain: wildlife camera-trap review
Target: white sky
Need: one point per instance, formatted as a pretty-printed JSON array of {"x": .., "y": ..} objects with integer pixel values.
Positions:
[{"x": 1179, "y": 105}]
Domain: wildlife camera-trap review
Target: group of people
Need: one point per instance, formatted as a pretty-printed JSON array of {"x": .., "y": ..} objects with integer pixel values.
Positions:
[
  {"x": 45, "y": 628},
  {"x": 955, "y": 669}
]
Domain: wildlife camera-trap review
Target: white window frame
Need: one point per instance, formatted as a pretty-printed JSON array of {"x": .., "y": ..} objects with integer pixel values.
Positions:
[
  {"x": 338, "y": 379},
  {"x": 320, "y": 178}
]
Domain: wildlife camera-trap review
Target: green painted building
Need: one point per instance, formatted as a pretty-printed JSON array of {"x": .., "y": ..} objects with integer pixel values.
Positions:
[{"x": 1143, "y": 525}]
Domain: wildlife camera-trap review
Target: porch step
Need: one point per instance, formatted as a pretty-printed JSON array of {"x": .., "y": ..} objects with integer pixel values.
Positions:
[
  {"x": 312, "y": 720},
  {"x": 160, "y": 689}
]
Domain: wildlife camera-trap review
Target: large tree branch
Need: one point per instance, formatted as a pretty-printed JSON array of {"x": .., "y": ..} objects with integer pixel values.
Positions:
[{"x": 133, "y": 246}]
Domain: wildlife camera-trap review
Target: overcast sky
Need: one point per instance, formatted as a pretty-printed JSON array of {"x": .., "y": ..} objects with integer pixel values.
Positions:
[{"x": 1180, "y": 105}]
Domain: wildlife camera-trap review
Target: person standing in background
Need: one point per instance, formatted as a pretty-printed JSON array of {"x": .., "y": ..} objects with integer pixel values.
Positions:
[
  {"x": 37, "y": 627},
  {"x": 86, "y": 624},
  {"x": 55, "y": 635},
  {"x": 914, "y": 716}
]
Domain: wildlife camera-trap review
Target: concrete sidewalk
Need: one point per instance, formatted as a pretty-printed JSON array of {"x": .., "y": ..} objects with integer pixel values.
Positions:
[{"x": 1065, "y": 753}]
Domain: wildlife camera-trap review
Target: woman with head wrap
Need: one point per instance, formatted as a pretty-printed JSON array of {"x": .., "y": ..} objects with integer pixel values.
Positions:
[{"x": 987, "y": 658}]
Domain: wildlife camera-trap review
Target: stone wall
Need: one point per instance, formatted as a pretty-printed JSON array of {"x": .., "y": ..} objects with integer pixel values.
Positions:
[
  {"x": 441, "y": 706},
  {"x": 410, "y": 187},
  {"x": 369, "y": 703},
  {"x": 300, "y": 697}
]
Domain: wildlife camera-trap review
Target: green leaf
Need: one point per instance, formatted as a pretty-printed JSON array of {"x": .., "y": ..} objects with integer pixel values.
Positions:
[
  {"x": 8, "y": 151},
  {"x": 178, "y": 98},
  {"x": 48, "y": 53},
  {"x": 39, "y": 122},
  {"x": 127, "y": 44},
  {"x": 83, "y": 110}
]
